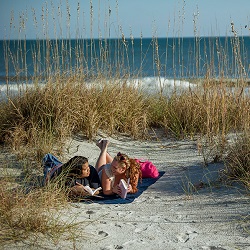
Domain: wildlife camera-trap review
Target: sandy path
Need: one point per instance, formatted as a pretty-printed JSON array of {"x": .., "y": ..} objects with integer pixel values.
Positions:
[{"x": 166, "y": 214}]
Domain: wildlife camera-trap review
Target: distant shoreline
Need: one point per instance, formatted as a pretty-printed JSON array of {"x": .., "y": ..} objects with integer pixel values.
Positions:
[{"x": 119, "y": 38}]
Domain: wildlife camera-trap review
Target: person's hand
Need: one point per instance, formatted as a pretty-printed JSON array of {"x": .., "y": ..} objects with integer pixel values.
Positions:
[
  {"x": 78, "y": 190},
  {"x": 130, "y": 189},
  {"x": 117, "y": 190},
  {"x": 78, "y": 184}
]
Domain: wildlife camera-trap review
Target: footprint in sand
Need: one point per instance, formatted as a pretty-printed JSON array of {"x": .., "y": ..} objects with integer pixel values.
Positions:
[
  {"x": 112, "y": 247},
  {"x": 184, "y": 237},
  {"x": 102, "y": 233},
  {"x": 140, "y": 229},
  {"x": 212, "y": 248}
]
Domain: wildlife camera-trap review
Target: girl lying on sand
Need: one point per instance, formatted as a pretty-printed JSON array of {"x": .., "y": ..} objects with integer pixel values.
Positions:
[
  {"x": 112, "y": 170},
  {"x": 75, "y": 174}
]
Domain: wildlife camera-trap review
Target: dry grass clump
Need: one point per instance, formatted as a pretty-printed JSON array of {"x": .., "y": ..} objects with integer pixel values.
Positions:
[
  {"x": 207, "y": 110},
  {"x": 43, "y": 117},
  {"x": 33, "y": 214},
  {"x": 30, "y": 213},
  {"x": 238, "y": 160}
]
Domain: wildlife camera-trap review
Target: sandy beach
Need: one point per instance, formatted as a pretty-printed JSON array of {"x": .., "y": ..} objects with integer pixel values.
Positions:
[{"x": 166, "y": 213}]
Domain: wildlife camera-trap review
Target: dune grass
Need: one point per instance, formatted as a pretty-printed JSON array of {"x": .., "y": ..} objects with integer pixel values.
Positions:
[
  {"x": 238, "y": 160},
  {"x": 42, "y": 119},
  {"x": 29, "y": 213}
]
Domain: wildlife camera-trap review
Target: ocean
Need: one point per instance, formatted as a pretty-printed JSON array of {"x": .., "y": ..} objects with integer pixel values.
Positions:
[{"x": 145, "y": 58}]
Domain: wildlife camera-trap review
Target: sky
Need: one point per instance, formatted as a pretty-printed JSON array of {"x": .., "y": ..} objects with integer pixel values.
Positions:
[{"x": 38, "y": 19}]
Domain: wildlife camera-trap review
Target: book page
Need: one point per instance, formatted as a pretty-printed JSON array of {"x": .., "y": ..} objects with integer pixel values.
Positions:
[
  {"x": 90, "y": 191},
  {"x": 94, "y": 191}
]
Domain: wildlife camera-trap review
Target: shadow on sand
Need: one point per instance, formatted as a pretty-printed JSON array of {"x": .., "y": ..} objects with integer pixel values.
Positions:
[
  {"x": 182, "y": 181},
  {"x": 144, "y": 185}
]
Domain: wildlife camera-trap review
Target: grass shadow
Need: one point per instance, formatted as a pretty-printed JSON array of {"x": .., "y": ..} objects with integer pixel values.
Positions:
[{"x": 197, "y": 180}]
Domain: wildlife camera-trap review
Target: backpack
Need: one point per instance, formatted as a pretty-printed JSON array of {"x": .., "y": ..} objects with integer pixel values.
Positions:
[
  {"x": 50, "y": 165},
  {"x": 148, "y": 169}
]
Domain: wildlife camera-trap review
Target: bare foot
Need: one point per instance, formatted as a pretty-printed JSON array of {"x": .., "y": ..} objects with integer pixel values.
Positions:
[
  {"x": 99, "y": 143},
  {"x": 105, "y": 144}
]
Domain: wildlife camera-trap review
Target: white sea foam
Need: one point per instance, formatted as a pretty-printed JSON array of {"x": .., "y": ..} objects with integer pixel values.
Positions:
[
  {"x": 150, "y": 84},
  {"x": 147, "y": 84},
  {"x": 8, "y": 90},
  {"x": 161, "y": 84},
  {"x": 14, "y": 89}
]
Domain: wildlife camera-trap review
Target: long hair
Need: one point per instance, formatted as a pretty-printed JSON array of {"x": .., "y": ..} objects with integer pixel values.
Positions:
[
  {"x": 73, "y": 167},
  {"x": 133, "y": 169}
]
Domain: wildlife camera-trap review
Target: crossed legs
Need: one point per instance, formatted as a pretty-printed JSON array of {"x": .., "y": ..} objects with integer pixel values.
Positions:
[{"x": 104, "y": 156}]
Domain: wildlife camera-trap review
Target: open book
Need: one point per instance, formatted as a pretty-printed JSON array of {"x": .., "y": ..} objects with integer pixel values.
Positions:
[
  {"x": 124, "y": 188},
  {"x": 90, "y": 190}
]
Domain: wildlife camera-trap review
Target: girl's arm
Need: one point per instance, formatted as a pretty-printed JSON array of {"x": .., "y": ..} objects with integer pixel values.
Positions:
[
  {"x": 77, "y": 190},
  {"x": 106, "y": 185}
]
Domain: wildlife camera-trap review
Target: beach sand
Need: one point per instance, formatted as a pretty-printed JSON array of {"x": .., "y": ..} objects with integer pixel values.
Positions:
[{"x": 166, "y": 213}]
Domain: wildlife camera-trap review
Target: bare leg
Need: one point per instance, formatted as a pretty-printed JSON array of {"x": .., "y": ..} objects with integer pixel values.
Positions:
[
  {"x": 99, "y": 144},
  {"x": 104, "y": 156}
]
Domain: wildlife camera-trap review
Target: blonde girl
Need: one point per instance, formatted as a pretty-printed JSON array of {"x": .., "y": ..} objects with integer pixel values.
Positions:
[{"x": 112, "y": 170}]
